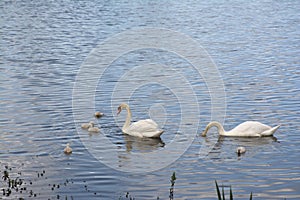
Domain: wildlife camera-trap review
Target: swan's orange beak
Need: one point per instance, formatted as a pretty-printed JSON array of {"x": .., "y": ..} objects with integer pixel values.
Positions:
[{"x": 119, "y": 110}]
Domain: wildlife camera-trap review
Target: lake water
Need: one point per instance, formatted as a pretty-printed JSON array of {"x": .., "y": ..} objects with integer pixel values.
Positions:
[{"x": 46, "y": 47}]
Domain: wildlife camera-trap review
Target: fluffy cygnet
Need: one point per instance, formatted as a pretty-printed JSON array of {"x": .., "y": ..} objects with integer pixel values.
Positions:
[
  {"x": 68, "y": 149},
  {"x": 87, "y": 125},
  {"x": 98, "y": 114},
  {"x": 240, "y": 150},
  {"x": 93, "y": 129}
]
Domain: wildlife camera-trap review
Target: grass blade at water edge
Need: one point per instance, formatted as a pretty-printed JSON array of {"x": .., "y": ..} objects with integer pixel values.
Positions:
[{"x": 218, "y": 191}]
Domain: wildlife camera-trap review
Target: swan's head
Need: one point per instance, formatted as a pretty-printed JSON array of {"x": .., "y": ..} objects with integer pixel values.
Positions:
[
  {"x": 119, "y": 110},
  {"x": 122, "y": 106}
]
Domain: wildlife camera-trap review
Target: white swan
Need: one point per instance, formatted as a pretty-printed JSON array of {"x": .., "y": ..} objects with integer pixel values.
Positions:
[
  {"x": 245, "y": 129},
  {"x": 142, "y": 128},
  {"x": 68, "y": 149}
]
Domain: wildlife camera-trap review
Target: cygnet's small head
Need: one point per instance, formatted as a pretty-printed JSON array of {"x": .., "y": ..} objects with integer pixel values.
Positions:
[{"x": 91, "y": 123}]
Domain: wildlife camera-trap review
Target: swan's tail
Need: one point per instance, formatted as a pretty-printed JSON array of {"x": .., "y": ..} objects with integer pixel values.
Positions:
[
  {"x": 157, "y": 134},
  {"x": 270, "y": 131}
]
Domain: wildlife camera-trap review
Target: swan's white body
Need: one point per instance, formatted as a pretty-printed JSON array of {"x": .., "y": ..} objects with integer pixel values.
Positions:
[
  {"x": 245, "y": 129},
  {"x": 142, "y": 128},
  {"x": 68, "y": 149}
]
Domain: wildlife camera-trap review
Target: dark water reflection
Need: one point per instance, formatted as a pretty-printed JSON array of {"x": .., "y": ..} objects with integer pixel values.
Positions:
[
  {"x": 254, "y": 44},
  {"x": 142, "y": 144}
]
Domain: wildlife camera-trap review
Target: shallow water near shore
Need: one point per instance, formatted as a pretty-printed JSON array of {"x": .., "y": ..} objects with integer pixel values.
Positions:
[{"x": 255, "y": 46}]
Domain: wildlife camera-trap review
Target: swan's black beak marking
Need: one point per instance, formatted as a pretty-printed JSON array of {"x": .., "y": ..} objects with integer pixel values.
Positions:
[{"x": 119, "y": 110}]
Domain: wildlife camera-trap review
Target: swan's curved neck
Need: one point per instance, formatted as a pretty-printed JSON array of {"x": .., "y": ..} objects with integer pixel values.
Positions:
[
  {"x": 216, "y": 124},
  {"x": 128, "y": 118}
]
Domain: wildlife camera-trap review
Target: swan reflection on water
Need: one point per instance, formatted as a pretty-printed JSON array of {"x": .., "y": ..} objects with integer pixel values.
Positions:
[
  {"x": 142, "y": 144},
  {"x": 225, "y": 147},
  {"x": 136, "y": 146}
]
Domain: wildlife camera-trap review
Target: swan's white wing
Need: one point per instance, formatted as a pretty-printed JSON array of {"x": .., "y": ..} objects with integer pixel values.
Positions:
[
  {"x": 250, "y": 128},
  {"x": 147, "y": 128},
  {"x": 147, "y": 125},
  {"x": 270, "y": 131}
]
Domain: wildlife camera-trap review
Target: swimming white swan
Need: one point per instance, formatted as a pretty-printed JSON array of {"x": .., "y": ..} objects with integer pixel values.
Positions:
[
  {"x": 142, "y": 128},
  {"x": 245, "y": 129},
  {"x": 68, "y": 149},
  {"x": 87, "y": 125}
]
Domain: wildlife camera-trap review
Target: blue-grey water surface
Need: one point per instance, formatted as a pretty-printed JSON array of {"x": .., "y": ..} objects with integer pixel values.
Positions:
[{"x": 254, "y": 44}]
